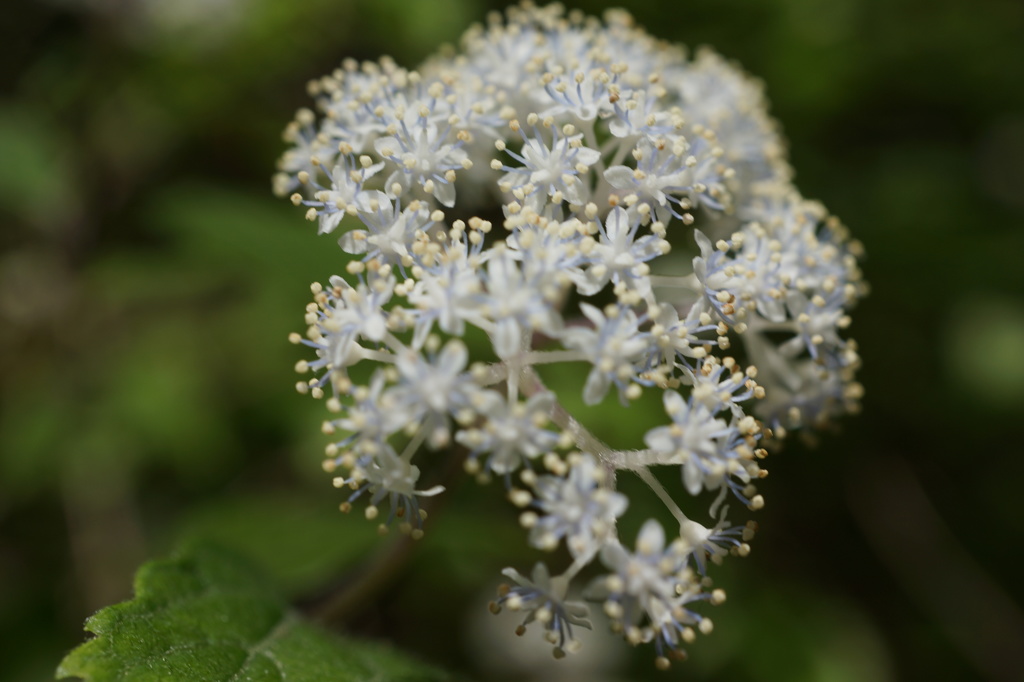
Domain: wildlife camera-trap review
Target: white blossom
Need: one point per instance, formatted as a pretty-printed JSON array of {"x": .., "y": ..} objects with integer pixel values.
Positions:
[
  {"x": 510, "y": 435},
  {"x": 612, "y": 345},
  {"x": 513, "y": 305},
  {"x": 580, "y": 507},
  {"x": 620, "y": 255},
  {"x": 649, "y": 592},
  {"x": 543, "y": 599},
  {"x": 552, "y": 168},
  {"x": 391, "y": 231},
  {"x": 529, "y": 203}
]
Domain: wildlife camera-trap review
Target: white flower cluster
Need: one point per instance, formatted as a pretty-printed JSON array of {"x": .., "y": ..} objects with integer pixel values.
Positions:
[{"x": 512, "y": 206}]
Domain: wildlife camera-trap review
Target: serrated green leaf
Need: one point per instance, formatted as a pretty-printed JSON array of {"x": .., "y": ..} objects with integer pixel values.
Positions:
[{"x": 207, "y": 615}]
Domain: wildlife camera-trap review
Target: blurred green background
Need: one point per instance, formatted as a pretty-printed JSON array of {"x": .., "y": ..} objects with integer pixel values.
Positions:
[{"x": 148, "y": 281}]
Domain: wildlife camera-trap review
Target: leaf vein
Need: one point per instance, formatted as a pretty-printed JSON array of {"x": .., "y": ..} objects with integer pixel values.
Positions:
[{"x": 257, "y": 649}]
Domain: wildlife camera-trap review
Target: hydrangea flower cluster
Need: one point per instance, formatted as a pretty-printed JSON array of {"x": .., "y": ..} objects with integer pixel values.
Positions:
[{"x": 514, "y": 205}]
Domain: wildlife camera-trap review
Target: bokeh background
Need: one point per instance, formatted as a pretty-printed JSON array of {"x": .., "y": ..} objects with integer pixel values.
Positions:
[{"x": 148, "y": 281}]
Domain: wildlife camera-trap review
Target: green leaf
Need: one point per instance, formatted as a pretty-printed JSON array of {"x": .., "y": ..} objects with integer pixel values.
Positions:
[{"x": 208, "y": 615}]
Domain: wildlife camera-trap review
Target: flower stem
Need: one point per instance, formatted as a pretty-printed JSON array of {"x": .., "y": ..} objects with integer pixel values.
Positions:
[
  {"x": 542, "y": 357},
  {"x": 654, "y": 484}
]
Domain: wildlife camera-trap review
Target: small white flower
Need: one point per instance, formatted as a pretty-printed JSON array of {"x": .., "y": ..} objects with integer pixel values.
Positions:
[
  {"x": 448, "y": 297},
  {"x": 613, "y": 345},
  {"x": 678, "y": 338},
  {"x": 308, "y": 146},
  {"x": 719, "y": 387},
  {"x": 385, "y": 475},
  {"x": 716, "y": 95},
  {"x": 701, "y": 443},
  {"x": 374, "y": 417},
  {"x": 359, "y": 312},
  {"x": 580, "y": 508},
  {"x": 423, "y": 153},
  {"x": 543, "y": 599},
  {"x": 552, "y": 168},
  {"x": 620, "y": 255},
  {"x": 514, "y": 306},
  {"x": 716, "y": 542},
  {"x": 346, "y": 184},
  {"x": 510, "y": 434},
  {"x": 432, "y": 388},
  {"x": 648, "y": 593}
]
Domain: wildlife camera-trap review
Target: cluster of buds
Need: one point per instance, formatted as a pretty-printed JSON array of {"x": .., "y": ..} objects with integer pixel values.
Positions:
[{"x": 514, "y": 205}]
